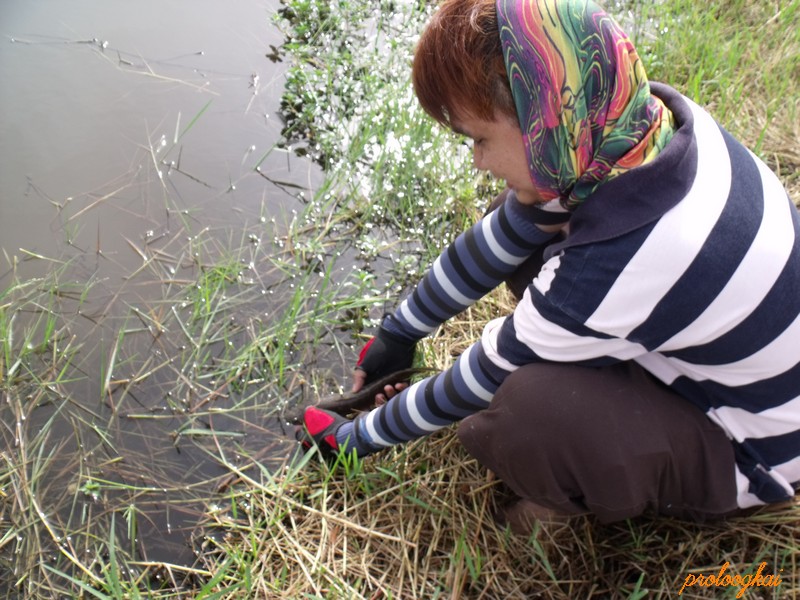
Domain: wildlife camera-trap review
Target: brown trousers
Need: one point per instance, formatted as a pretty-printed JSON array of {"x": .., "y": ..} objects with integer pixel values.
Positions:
[{"x": 612, "y": 441}]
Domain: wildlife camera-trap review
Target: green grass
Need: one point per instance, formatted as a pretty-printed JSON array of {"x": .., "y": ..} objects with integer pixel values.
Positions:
[
  {"x": 739, "y": 59},
  {"x": 242, "y": 318}
]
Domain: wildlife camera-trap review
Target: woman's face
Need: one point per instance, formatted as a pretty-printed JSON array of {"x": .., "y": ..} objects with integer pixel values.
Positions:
[{"x": 499, "y": 149}]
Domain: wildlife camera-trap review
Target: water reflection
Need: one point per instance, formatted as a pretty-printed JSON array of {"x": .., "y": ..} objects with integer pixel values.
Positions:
[{"x": 95, "y": 95}]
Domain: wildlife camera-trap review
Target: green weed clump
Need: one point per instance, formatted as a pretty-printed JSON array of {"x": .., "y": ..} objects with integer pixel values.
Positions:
[{"x": 349, "y": 103}]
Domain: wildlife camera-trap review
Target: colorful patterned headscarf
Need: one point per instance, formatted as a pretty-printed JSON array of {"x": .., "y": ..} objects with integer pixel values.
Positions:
[{"x": 581, "y": 94}]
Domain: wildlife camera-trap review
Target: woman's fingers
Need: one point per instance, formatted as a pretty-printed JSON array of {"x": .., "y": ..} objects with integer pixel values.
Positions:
[
  {"x": 389, "y": 391},
  {"x": 359, "y": 378}
]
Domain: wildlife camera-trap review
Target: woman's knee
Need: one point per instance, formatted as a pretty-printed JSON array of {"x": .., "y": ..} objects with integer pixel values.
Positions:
[{"x": 546, "y": 398}]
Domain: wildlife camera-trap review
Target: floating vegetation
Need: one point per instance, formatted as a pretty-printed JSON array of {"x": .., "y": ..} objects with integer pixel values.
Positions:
[{"x": 349, "y": 104}]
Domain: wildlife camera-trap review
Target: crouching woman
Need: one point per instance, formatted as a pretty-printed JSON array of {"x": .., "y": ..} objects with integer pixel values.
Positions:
[{"x": 652, "y": 363}]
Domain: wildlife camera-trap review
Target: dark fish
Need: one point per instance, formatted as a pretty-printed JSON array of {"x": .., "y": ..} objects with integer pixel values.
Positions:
[{"x": 344, "y": 404}]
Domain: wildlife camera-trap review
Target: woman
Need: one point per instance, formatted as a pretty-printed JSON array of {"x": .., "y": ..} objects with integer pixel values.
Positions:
[{"x": 652, "y": 363}]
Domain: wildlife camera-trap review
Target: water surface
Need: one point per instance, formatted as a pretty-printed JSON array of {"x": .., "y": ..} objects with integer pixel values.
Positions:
[{"x": 140, "y": 144}]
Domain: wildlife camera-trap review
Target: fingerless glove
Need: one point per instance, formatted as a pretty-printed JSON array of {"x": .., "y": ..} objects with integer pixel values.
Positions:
[{"x": 385, "y": 353}]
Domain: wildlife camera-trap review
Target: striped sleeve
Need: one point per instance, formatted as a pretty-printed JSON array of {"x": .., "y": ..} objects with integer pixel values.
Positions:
[
  {"x": 478, "y": 261},
  {"x": 427, "y": 406}
]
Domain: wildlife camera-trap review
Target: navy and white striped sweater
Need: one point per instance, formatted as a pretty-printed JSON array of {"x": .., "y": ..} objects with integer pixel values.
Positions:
[{"x": 688, "y": 265}]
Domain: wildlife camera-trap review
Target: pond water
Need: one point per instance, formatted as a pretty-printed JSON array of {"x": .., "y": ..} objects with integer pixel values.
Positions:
[
  {"x": 141, "y": 142},
  {"x": 92, "y": 89}
]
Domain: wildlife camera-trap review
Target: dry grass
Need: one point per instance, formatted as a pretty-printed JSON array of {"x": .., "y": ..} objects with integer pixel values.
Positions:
[
  {"x": 417, "y": 522},
  {"x": 782, "y": 153}
]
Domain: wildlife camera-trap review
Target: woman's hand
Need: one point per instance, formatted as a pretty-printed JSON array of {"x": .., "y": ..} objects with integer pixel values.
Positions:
[
  {"x": 383, "y": 354},
  {"x": 332, "y": 433},
  {"x": 389, "y": 392},
  {"x": 359, "y": 379}
]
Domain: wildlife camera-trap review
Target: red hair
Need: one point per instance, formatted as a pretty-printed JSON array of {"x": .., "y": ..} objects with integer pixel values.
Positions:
[{"x": 458, "y": 65}]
